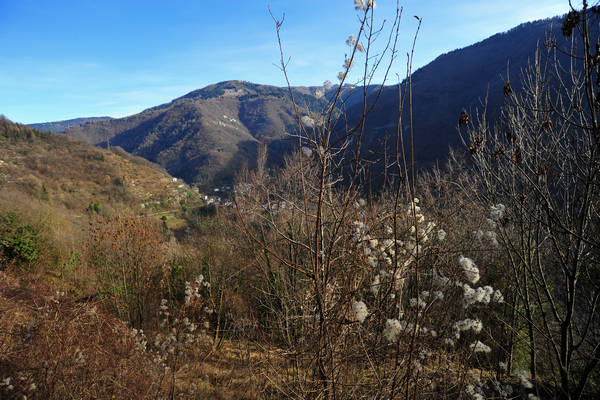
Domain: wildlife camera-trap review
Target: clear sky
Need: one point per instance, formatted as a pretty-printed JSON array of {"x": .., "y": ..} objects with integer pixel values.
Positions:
[{"x": 62, "y": 59}]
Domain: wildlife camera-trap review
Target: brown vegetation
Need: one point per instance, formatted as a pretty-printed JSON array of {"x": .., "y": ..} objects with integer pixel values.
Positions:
[{"x": 476, "y": 281}]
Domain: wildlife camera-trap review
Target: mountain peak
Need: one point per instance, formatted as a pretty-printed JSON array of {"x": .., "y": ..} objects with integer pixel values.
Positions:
[{"x": 232, "y": 88}]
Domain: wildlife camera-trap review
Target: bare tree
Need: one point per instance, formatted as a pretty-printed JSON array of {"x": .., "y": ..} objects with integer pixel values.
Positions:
[{"x": 539, "y": 168}]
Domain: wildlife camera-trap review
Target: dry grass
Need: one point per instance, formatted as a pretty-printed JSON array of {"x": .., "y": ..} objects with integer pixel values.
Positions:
[
  {"x": 42, "y": 333},
  {"x": 235, "y": 370},
  {"x": 71, "y": 174},
  {"x": 57, "y": 184}
]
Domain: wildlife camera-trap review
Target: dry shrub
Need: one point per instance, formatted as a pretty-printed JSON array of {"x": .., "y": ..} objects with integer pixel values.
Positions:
[
  {"x": 60, "y": 231},
  {"x": 385, "y": 309},
  {"x": 129, "y": 257},
  {"x": 222, "y": 254},
  {"x": 54, "y": 348}
]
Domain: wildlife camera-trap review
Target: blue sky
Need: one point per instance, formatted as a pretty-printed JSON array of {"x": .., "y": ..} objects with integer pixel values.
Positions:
[{"x": 65, "y": 59}]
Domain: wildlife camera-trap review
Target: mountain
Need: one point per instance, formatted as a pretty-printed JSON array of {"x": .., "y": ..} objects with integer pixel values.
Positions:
[
  {"x": 459, "y": 79},
  {"x": 72, "y": 178},
  {"x": 206, "y": 136},
  {"x": 61, "y": 126}
]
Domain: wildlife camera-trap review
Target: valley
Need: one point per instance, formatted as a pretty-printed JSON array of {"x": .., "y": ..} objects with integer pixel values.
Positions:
[{"x": 433, "y": 238}]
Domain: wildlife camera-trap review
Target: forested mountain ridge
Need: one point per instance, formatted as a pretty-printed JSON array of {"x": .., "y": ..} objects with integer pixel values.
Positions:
[
  {"x": 471, "y": 78},
  {"x": 207, "y": 135},
  {"x": 61, "y": 126}
]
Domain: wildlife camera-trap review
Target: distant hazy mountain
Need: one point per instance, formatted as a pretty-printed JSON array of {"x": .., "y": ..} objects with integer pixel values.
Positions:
[
  {"x": 61, "y": 126},
  {"x": 205, "y": 136}
]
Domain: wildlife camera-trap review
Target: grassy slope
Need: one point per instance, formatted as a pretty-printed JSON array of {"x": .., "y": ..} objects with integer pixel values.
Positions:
[
  {"x": 39, "y": 168},
  {"x": 50, "y": 181},
  {"x": 59, "y": 184}
]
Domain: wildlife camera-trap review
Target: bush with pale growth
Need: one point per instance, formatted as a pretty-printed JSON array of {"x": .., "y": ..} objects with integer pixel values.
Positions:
[
  {"x": 307, "y": 121},
  {"x": 393, "y": 329},
  {"x": 497, "y": 212},
  {"x": 523, "y": 377},
  {"x": 479, "y": 347},
  {"x": 469, "y": 269},
  {"x": 441, "y": 235},
  {"x": 360, "y": 311}
]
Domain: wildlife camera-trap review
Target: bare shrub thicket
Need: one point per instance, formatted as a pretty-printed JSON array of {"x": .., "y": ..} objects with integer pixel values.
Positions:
[
  {"x": 217, "y": 249},
  {"x": 541, "y": 162},
  {"x": 54, "y": 348},
  {"x": 129, "y": 257},
  {"x": 364, "y": 295},
  {"x": 481, "y": 281}
]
